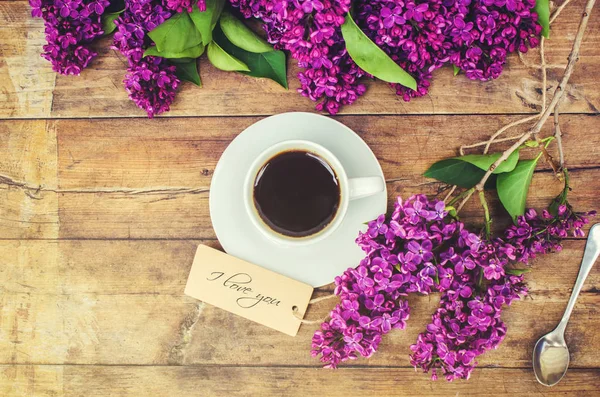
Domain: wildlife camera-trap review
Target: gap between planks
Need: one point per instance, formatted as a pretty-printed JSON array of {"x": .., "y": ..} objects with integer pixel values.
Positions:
[
  {"x": 339, "y": 115},
  {"x": 10, "y": 182},
  {"x": 344, "y": 366},
  {"x": 199, "y": 240}
]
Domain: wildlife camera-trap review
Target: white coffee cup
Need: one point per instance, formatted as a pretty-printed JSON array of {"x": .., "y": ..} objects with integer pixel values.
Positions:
[{"x": 350, "y": 189}]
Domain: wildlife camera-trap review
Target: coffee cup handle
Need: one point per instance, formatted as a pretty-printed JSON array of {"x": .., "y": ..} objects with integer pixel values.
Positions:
[{"x": 364, "y": 187}]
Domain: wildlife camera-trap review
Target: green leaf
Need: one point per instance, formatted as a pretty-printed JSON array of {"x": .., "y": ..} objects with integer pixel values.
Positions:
[
  {"x": 192, "y": 52},
  {"x": 451, "y": 211},
  {"x": 484, "y": 161},
  {"x": 546, "y": 141},
  {"x": 241, "y": 36},
  {"x": 224, "y": 61},
  {"x": 456, "y": 69},
  {"x": 513, "y": 187},
  {"x": 188, "y": 71},
  {"x": 108, "y": 22},
  {"x": 517, "y": 272},
  {"x": 176, "y": 34},
  {"x": 455, "y": 172},
  {"x": 542, "y": 9},
  {"x": 531, "y": 143},
  {"x": 180, "y": 60},
  {"x": 562, "y": 197},
  {"x": 205, "y": 21},
  {"x": 271, "y": 65},
  {"x": 371, "y": 58}
]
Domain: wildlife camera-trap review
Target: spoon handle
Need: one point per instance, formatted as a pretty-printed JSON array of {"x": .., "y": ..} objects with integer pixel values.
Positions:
[{"x": 592, "y": 250}]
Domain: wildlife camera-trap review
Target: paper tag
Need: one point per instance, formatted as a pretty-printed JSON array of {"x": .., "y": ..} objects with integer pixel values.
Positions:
[{"x": 247, "y": 290}]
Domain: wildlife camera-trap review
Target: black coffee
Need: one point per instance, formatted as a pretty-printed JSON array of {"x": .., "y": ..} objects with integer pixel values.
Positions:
[{"x": 296, "y": 193}]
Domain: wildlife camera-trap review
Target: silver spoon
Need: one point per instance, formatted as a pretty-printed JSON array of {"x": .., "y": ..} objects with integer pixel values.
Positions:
[{"x": 550, "y": 354}]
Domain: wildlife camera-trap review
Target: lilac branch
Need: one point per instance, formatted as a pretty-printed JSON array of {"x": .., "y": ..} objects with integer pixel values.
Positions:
[{"x": 558, "y": 93}]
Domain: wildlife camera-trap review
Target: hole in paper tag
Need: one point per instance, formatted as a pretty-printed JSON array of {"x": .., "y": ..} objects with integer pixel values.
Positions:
[{"x": 248, "y": 290}]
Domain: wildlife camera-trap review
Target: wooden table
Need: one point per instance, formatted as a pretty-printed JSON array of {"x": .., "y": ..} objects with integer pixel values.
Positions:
[{"x": 94, "y": 262}]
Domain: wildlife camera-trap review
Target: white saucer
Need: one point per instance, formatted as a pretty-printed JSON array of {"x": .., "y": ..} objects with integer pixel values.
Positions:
[{"x": 315, "y": 264}]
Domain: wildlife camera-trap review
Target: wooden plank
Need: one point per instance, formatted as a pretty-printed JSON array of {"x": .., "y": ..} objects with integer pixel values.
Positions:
[
  {"x": 26, "y": 79},
  {"x": 164, "y": 329},
  {"x": 121, "y": 302},
  {"x": 182, "y": 215},
  {"x": 108, "y": 267},
  {"x": 92, "y": 381},
  {"x": 100, "y": 162},
  {"x": 183, "y": 152},
  {"x": 99, "y": 92},
  {"x": 125, "y": 267},
  {"x": 28, "y": 151},
  {"x": 31, "y": 381},
  {"x": 97, "y": 160}
]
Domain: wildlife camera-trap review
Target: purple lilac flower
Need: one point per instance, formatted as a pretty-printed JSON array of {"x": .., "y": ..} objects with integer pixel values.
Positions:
[
  {"x": 310, "y": 30},
  {"x": 70, "y": 26},
  {"x": 421, "y": 36},
  {"x": 151, "y": 85},
  {"x": 474, "y": 35},
  {"x": 184, "y": 5},
  {"x": 150, "y": 81},
  {"x": 392, "y": 17},
  {"x": 418, "y": 248},
  {"x": 539, "y": 234}
]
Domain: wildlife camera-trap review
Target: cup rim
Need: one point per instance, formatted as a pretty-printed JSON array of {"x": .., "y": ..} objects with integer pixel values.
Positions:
[{"x": 281, "y": 147}]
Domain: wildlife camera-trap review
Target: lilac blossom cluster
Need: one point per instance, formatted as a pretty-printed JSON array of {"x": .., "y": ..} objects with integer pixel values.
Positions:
[
  {"x": 310, "y": 30},
  {"x": 70, "y": 26},
  {"x": 421, "y": 249},
  {"x": 185, "y": 5},
  {"x": 539, "y": 234},
  {"x": 150, "y": 81},
  {"x": 420, "y": 36},
  {"x": 473, "y": 35}
]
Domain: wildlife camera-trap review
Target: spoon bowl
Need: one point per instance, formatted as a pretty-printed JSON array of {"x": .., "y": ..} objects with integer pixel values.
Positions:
[
  {"x": 550, "y": 358},
  {"x": 551, "y": 354}
]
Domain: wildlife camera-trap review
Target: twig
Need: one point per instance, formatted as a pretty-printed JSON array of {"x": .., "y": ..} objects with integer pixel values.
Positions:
[
  {"x": 510, "y": 138},
  {"x": 506, "y": 127},
  {"x": 466, "y": 194},
  {"x": 553, "y": 17},
  {"x": 493, "y": 139},
  {"x": 544, "y": 73},
  {"x": 537, "y": 65},
  {"x": 461, "y": 195},
  {"x": 557, "y": 12},
  {"x": 550, "y": 160},
  {"x": 557, "y": 131},
  {"x": 450, "y": 193},
  {"x": 558, "y": 93},
  {"x": 525, "y": 61},
  {"x": 486, "y": 212},
  {"x": 558, "y": 136}
]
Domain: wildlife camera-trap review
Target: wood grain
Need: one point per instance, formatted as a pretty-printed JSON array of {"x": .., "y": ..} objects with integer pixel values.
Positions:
[
  {"x": 101, "y": 211},
  {"x": 155, "y": 267},
  {"x": 26, "y": 79},
  {"x": 119, "y": 381},
  {"x": 121, "y": 302},
  {"x": 171, "y": 330},
  {"x": 183, "y": 152},
  {"x": 29, "y": 154},
  {"x": 29, "y": 88},
  {"x": 91, "y": 164},
  {"x": 175, "y": 216}
]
